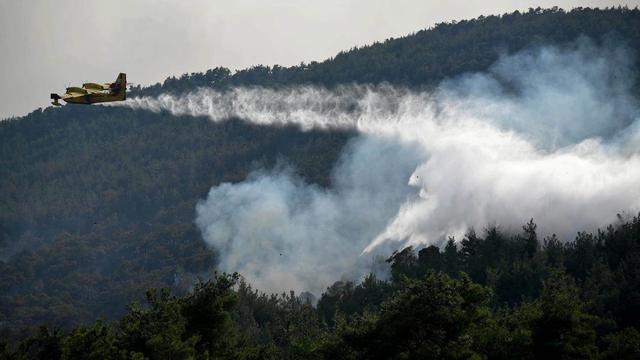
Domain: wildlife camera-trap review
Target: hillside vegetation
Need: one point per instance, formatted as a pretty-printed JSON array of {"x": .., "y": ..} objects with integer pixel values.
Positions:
[
  {"x": 98, "y": 203},
  {"x": 494, "y": 296},
  {"x": 97, "y": 206}
]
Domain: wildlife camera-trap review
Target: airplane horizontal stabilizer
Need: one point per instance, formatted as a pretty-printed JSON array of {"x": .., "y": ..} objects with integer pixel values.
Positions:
[{"x": 55, "y": 98}]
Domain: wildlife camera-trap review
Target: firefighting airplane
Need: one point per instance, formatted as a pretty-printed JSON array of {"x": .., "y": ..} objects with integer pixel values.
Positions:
[{"x": 91, "y": 93}]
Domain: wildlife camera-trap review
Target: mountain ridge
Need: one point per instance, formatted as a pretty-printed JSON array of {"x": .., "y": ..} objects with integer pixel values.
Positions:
[{"x": 425, "y": 58}]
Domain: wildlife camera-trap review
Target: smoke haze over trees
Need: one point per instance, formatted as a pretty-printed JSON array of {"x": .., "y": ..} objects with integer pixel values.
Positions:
[
  {"x": 542, "y": 126},
  {"x": 308, "y": 178}
]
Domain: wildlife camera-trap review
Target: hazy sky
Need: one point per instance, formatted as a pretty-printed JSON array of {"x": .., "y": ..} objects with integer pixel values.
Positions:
[{"x": 47, "y": 45}]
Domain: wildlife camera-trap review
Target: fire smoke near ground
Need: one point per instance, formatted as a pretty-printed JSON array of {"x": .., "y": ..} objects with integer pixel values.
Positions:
[{"x": 547, "y": 133}]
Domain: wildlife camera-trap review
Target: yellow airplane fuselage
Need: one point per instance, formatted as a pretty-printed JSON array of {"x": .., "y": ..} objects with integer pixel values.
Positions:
[
  {"x": 91, "y": 93},
  {"x": 92, "y": 97}
]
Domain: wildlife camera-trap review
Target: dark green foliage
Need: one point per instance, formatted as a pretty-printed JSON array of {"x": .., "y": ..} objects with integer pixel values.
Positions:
[
  {"x": 559, "y": 299},
  {"x": 286, "y": 324},
  {"x": 562, "y": 331},
  {"x": 427, "y": 318},
  {"x": 207, "y": 315},
  {"x": 93, "y": 343},
  {"x": 348, "y": 298},
  {"x": 404, "y": 263},
  {"x": 158, "y": 330},
  {"x": 471, "y": 255},
  {"x": 47, "y": 344},
  {"x": 624, "y": 345},
  {"x": 450, "y": 258},
  {"x": 529, "y": 239},
  {"x": 420, "y": 312}
]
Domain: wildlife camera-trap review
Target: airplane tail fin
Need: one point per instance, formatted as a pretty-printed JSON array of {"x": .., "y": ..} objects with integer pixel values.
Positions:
[
  {"x": 121, "y": 85},
  {"x": 55, "y": 98}
]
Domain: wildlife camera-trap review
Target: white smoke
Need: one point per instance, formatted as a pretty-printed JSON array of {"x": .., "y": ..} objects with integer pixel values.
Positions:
[{"x": 547, "y": 133}]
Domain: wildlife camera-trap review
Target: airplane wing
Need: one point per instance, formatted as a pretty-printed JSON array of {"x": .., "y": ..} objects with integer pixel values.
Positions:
[
  {"x": 94, "y": 86},
  {"x": 68, "y": 95},
  {"x": 76, "y": 90}
]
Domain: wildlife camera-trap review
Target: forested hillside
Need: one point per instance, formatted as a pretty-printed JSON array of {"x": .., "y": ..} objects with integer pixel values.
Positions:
[
  {"x": 97, "y": 207},
  {"x": 98, "y": 203},
  {"x": 494, "y": 296}
]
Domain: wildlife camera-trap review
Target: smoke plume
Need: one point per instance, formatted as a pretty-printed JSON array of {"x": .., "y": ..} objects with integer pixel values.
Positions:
[{"x": 547, "y": 133}]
